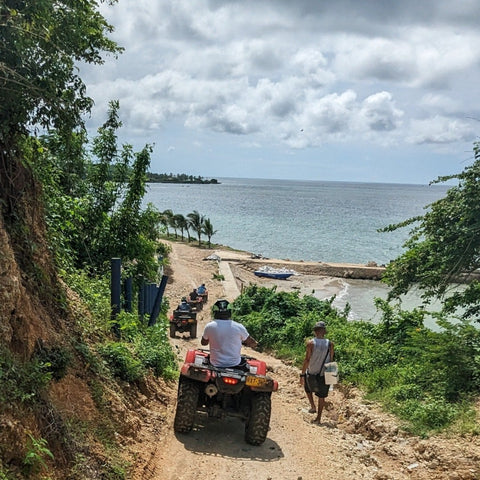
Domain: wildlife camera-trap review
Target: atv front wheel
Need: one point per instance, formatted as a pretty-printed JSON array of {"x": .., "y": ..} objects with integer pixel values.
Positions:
[
  {"x": 187, "y": 400},
  {"x": 258, "y": 422},
  {"x": 173, "y": 329}
]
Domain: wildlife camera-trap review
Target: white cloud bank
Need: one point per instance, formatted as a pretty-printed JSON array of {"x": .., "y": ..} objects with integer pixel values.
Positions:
[{"x": 297, "y": 75}]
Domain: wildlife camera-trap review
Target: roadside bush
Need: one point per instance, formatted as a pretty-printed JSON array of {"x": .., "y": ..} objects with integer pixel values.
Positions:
[
  {"x": 155, "y": 352},
  {"x": 281, "y": 321},
  {"x": 56, "y": 360},
  {"x": 21, "y": 381},
  {"x": 427, "y": 378},
  {"x": 121, "y": 361},
  {"x": 142, "y": 349},
  {"x": 95, "y": 293},
  {"x": 432, "y": 414}
]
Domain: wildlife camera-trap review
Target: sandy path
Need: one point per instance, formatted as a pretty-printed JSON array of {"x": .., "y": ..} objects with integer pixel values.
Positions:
[{"x": 355, "y": 440}]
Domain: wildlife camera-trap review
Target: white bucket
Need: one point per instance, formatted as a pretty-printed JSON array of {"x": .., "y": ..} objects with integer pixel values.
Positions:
[{"x": 331, "y": 373}]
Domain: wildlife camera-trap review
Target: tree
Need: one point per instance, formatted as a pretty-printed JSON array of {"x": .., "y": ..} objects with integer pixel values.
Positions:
[
  {"x": 39, "y": 89},
  {"x": 41, "y": 42},
  {"x": 178, "y": 223},
  {"x": 444, "y": 247},
  {"x": 196, "y": 223},
  {"x": 165, "y": 219},
  {"x": 173, "y": 223},
  {"x": 181, "y": 223},
  {"x": 208, "y": 230},
  {"x": 104, "y": 217}
]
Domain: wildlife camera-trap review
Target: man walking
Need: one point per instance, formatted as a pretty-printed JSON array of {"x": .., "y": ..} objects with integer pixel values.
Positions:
[{"x": 319, "y": 351}]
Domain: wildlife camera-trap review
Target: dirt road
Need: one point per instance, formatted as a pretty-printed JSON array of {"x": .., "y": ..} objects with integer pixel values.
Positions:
[{"x": 354, "y": 441}]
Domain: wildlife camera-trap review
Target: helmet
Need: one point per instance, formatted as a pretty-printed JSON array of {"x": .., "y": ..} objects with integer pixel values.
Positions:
[{"x": 221, "y": 309}]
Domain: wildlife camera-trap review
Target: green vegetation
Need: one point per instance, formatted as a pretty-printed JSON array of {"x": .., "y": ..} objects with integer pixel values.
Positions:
[
  {"x": 142, "y": 351},
  {"x": 444, "y": 247},
  {"x": 34, "y": 461},
  {"x": 77, "y": 201},
  {"x": 22, "y": 382},
  {"x": 178, "y": 178},
  {"x": 428, "y": 379},
  {"x": 101, "y": 215}
]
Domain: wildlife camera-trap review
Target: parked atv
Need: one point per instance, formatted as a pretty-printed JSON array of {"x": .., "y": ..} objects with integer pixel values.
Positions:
[
  {"x": 243, "y": 392},
  {"x": 183, "y": 321}
]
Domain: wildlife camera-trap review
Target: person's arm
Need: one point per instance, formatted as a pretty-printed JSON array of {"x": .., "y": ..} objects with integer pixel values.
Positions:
[
  {"x": 204, "y": 340},
  {"x": 306, "y": 361},
  {"x": 332, "y": 351},
  {"x": 250, "y": 342}
]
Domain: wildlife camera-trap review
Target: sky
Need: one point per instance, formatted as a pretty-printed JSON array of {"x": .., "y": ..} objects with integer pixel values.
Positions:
[{"x": 335, "y": 90}]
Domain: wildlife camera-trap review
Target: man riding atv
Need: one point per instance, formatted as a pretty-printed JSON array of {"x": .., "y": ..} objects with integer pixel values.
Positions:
[
  {"x": 225, "y": 337},
  {"x": 221, "y": 382}
]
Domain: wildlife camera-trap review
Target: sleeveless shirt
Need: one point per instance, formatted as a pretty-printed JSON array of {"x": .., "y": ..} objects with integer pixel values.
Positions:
[{"x": 321, "y": 346}]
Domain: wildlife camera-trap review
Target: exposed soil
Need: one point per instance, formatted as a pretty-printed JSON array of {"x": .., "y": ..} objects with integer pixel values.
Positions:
[{"x": 354, "y": 440}]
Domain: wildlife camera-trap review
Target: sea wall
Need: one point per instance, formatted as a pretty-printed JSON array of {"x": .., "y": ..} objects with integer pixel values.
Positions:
[{"x": 342, "y": 270}]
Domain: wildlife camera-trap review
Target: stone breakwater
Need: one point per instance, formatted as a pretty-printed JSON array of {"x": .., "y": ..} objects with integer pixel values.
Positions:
[{"x": 341, "y": 270}]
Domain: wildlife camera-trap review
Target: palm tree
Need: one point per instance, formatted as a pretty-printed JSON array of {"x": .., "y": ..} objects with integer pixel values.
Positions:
[
  {"x": 166, "y": 219},
  {"x": 180, "y": 222},
  {"x": 196, "y": 223},
  {"x": 208, "y": 230}
]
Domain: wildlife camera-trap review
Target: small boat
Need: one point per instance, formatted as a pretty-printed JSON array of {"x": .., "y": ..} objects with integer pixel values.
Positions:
[{"x": 276, "y": 273}]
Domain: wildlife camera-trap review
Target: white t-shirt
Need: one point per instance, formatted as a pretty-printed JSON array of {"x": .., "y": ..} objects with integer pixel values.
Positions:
[{"x": 225, "y": 338}]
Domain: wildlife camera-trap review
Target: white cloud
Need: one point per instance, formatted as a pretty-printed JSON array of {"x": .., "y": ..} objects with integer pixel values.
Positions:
[
  {"x": 295, "y": 74},
  {"x": 439, "y": 130},
  {"x": 380, "y": 113}
]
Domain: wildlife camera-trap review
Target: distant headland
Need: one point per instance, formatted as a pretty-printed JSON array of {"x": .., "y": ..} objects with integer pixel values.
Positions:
[{"x": 178, "y": 178}]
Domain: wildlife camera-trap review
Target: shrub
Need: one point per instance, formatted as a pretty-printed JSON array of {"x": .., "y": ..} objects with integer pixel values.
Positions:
[
  {"x": 56, "y": 360},
  {"x": 428, "y": 378},
  {"x": 424, "y": 416},
  {"x": 21, "y": 381},
  {"x": 34, "y": 461},
  {"x": 121, "y": 361},
  {"x": 155, "y": 352}
]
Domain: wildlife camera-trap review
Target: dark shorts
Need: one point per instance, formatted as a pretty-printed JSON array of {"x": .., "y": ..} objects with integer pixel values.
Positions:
[{"x": 316, "y": 384}]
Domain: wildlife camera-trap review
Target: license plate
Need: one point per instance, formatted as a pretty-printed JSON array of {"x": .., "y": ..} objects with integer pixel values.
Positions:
[{"x": 252, "y": 381}]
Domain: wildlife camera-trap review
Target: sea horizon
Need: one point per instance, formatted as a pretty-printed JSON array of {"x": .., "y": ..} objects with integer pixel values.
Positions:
[
  {"x": 307, "y": 220},
  {"x": 310, "y": 220},
  {"x": 323, "y": 181}
]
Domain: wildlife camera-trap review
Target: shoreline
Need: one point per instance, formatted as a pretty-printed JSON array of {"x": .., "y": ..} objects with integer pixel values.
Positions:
[
  {"x": 323, "y": 280},
  {"x": 338, "y": 270}
]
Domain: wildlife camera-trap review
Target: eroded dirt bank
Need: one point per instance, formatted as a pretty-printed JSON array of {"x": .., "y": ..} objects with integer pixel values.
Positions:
[{"x": 355, "y": 440}]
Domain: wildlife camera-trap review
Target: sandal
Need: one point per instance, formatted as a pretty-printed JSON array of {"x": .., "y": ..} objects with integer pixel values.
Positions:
[{"x": 312, "y": 410}]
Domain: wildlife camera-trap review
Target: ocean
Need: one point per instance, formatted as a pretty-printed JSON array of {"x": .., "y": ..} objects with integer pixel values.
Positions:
[{"x": 334, "y": 222}]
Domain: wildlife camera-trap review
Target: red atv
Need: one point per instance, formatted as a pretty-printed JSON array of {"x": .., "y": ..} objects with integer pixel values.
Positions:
[
  {"x": 243, "y": 392},
  {"x": 183, "y": 321}
]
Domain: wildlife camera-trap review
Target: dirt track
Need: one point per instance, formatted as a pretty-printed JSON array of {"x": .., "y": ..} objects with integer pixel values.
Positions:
[{"x": 355, "y": 440}]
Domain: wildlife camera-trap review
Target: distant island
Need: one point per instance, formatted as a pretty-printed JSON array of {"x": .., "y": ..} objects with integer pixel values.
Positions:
[{"x": 178, "y": 178}]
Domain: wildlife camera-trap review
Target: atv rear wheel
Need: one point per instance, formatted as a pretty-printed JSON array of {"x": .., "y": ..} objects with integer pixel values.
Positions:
[
  {"x": 258, "y": 423},
  {"x": 193, "y": 330},
  {"x": 173, "y": 329},
  {"x": 187, "y": 400}
]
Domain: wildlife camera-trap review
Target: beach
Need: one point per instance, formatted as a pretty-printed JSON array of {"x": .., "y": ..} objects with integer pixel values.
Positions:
[{"x": 236, "y": 268}]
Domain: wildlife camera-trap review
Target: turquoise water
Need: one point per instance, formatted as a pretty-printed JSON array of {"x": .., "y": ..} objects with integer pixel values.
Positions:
[
  {"x": 299, "y": 220},
  {"x": 313, "y": 221}
]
